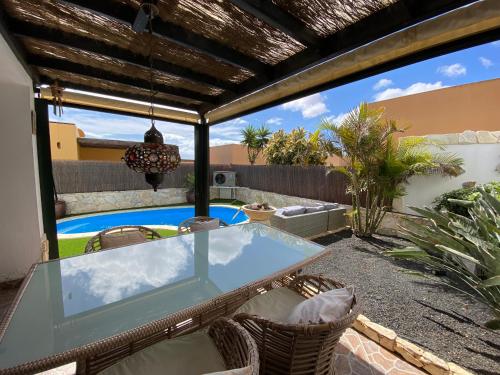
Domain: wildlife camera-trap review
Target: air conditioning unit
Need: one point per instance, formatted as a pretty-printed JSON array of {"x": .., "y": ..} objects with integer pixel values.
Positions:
[{"x": 224, "y": 178}]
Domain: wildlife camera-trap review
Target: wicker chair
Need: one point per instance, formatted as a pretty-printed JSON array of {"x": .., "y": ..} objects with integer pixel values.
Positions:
[
  {"x": 235, "y": 345},
  {"x": 94, "y": 244},
  {"x": 299, "y": 348},
  {"x": 185, "y": 226}
]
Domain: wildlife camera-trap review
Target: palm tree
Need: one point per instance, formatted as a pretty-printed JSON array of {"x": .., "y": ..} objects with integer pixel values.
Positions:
[
  {"x": 255, "y": 139},
  {"x": 375, "y": 167}
]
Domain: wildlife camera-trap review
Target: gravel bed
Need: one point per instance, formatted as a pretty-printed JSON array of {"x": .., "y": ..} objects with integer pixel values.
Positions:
[{"x": 424, "y": 311}]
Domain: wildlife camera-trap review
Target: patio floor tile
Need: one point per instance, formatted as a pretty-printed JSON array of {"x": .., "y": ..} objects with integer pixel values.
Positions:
[{"x": 358, "y": 355}]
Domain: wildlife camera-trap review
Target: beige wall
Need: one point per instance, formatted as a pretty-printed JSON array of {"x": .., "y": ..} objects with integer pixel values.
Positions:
[
  {"x": 232, "y": 154},
  {"x": 63, "y": 141},
  {"x": 93, "y": 153},
  {"x": 475, "y": 106},
  {"x": 20, "y": 214}
]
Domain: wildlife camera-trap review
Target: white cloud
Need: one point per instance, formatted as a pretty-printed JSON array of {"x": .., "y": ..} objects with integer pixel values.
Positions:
[
  {"x": 310, "y": 106},
  {"x": 453, "y": 70},
  {"x": 338, "y": 118},
  {"x": 384, "y": 82},
  {"x": 274, "y": 121},
  {"x": 496, "y": 43},
  {"x": 487, "y": 63},
  {"x": 108, "y": 126},
  {"x": 410, "y": 90}
]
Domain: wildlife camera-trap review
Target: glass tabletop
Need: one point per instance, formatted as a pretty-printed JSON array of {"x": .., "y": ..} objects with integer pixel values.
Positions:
[{"x": 76, "y": 301}]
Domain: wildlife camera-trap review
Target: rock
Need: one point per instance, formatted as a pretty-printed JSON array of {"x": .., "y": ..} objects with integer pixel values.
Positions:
[
  {"x": 410, "y": 352},
  {"x": 444, "y": 139},
  {"x": 434, "y": 365},
  {"x": 485, "y": 137},
  {"x": 467, "y": 137},
  {"x": 457, "y": 370}
]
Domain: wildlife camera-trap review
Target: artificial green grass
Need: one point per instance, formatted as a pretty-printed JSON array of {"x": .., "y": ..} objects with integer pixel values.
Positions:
[{"x": 75, "y": 246}]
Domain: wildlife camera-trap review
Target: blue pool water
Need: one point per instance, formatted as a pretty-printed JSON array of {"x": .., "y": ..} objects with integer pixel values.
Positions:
[{"x": 160, "y": 216}]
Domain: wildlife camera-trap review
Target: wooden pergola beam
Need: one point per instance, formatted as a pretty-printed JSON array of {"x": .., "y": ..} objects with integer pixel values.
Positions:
[
  {"x": 85, "y": 70},
  {"x": 55, "y": 37},
  {"x": 176, "y": 34},
  {"x": 274, "y": 16},
  {"x": 386, "y": 21},
  {"x": 44, "y": 80}
]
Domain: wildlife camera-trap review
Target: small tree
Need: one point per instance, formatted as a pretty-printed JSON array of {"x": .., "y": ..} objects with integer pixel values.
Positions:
[
  {"x": 255, "y": 139},
  {"x": 296, "y": 148},
  {"x": 376, "y": 167}
]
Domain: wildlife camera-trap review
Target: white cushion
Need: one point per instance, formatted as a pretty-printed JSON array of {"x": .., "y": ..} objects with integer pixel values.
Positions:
[
  {"x": 293, "y": 210},
  {"x": 310, "y": 210},
  {"x": 204, "y": 225},
  {"x": 331, "y": 206},
  {"x": 237, "y": 371},
  {"x": 274, "y": 305},
  {"x": 322, "y": 308},
  {"x": 192, "y": 354}
]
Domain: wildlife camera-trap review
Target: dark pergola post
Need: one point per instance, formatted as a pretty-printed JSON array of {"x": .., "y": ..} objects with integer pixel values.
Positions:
[
  {"x": 45, "y": 175},
  {"x": 201, "y": 167}
]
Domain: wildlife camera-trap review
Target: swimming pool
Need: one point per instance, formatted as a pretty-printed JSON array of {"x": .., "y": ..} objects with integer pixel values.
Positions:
[{"x": 168, "y": 216}]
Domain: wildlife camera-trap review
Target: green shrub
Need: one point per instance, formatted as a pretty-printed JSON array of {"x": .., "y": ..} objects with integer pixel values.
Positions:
[
  {"x": 446, "y": 201},
  {"x": 465, "y": 247}
]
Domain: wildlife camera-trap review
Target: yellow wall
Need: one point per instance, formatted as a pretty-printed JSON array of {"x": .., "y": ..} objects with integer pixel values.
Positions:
[
  {"x": 232, "y": 154},
  {"x": 108, "y": 154},
  {"x": 63, "y": 141},
  {"x": 475, "y": 106}
]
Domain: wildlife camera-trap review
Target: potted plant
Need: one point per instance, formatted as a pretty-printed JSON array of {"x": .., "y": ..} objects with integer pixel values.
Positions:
[
  {"x": 259, "y": 212},
  {"x": 60, "y": 206},
  {"x": 189, "y": 182}
]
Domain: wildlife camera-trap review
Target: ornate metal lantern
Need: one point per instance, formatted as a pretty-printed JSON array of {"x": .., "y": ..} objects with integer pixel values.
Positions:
[{"x": 153, "y": 158}]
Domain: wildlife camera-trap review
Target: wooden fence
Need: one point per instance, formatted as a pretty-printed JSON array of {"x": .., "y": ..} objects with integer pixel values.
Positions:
[{"x": 307, "y": 182}]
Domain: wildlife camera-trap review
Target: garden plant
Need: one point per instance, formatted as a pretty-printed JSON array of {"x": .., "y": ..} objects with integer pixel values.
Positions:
[
  {"x": 467, "y": 248},
  {"x": 255, "y": 139},
  {"x": 377, "y": 166}
]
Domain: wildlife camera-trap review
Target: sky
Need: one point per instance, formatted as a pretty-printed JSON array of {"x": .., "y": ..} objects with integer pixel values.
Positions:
[{"x": 471, "y": 65}]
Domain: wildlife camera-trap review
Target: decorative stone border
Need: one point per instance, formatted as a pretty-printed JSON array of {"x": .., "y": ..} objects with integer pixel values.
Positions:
[{"x": 413, "y": 354}]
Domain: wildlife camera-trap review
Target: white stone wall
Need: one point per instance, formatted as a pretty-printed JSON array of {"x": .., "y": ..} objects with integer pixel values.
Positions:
[
  {"x": 79, "y": 203},
  {"x": 480, "y": 151},
  {"x": 276, "y": 200}
]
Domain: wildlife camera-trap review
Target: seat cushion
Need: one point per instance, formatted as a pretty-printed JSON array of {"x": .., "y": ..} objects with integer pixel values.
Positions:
[
  {"x": 237, "y": 371},
  {"x": 192, "y": 354},
  {"x": 293, "y": 210},
  {"x": 204, "y": 225},
  {"x": 331, "y": 206},
  {"x": 275, "y": 305},
  {"x": 310, "y": 210},
  {"x": 325, "y": 307},
  {"x": 111, "y": 240}
]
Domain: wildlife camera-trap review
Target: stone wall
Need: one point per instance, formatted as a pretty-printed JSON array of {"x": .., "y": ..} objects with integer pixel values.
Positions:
[
  {"x": 480, "y": 152},
  {"x": 79, "y": 203},
  {"x": 248, "y": 195}
]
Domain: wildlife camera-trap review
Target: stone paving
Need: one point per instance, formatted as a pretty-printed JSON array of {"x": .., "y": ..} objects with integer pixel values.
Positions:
[{"x": 358, "y": 355}]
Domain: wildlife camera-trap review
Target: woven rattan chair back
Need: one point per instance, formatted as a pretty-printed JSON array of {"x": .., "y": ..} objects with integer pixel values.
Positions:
[
  {"x": 299, "y": 348},
  {"x": 94, "y": 244},
  {"x": 185, "y": 226}
]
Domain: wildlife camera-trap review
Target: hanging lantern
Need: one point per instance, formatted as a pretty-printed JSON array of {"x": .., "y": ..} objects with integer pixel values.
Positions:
[{"x": 153, "y": 157}]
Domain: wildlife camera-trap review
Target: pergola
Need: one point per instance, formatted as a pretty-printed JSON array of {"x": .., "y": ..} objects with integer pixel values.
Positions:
[{"x": 215, "y": 60}]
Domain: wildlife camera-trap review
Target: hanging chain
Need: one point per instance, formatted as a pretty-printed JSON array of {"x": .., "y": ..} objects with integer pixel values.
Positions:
[{"x": 151, "y": 83}]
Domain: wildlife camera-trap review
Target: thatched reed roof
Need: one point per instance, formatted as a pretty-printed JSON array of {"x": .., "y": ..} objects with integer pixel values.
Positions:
[{"x": 207, "y": 53}]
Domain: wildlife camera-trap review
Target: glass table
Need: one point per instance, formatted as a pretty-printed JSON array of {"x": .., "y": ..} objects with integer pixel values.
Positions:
[{"x": 84, "y": 307}]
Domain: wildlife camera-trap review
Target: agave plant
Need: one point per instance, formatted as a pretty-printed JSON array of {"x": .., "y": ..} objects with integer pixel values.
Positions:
[{"x": 465, "y": 247}]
